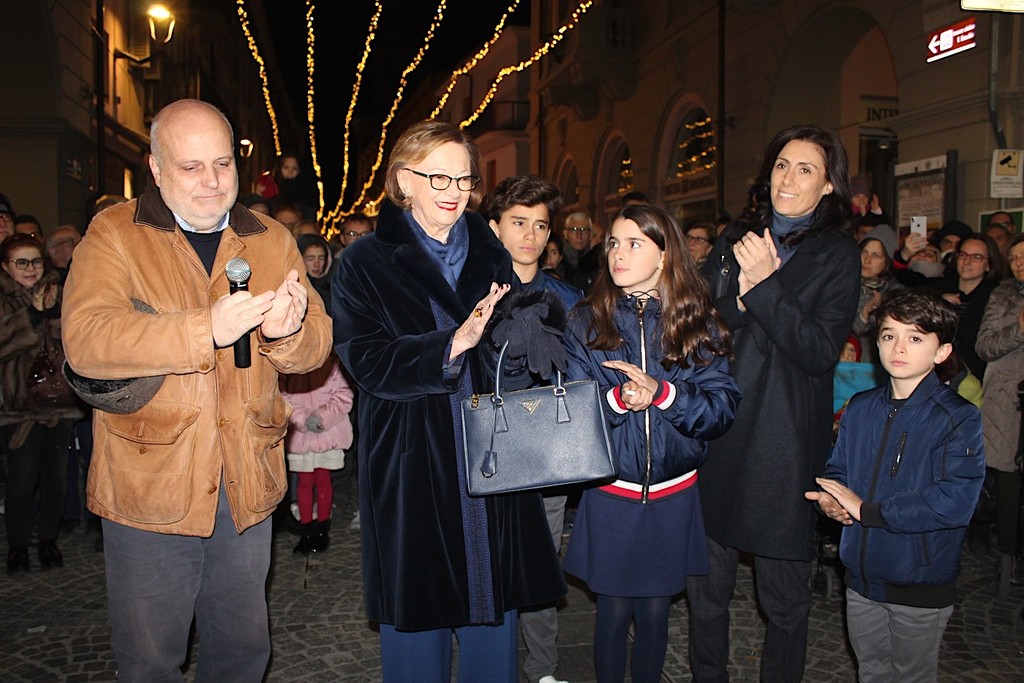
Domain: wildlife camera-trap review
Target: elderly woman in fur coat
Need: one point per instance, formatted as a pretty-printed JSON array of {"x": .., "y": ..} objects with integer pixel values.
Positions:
[
  {"x": 35, "y": 424},
  {"x": 410, "y": 304}
]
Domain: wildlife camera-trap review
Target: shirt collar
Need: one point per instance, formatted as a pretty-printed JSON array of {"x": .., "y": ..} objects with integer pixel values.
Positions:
[{"x": 183, "y": 224}]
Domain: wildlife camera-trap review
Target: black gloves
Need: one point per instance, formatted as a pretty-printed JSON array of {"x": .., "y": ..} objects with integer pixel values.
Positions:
[{"x": 531, "y": 321}]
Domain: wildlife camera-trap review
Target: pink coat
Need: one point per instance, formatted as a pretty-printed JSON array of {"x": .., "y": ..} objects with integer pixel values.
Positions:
[{"x": 325, "y": 392}]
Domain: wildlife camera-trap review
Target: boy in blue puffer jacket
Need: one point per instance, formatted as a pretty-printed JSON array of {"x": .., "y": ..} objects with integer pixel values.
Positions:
[{"x": 904, "y": 477}]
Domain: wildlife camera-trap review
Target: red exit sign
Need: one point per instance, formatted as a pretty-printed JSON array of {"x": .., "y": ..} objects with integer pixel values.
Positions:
[{"x": 952, "y": 39}]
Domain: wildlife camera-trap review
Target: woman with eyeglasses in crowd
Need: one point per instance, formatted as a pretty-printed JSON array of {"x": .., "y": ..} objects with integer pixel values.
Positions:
[
  {"x": 979, "y": 268},
  {"x": 700, "y": 240},
  {"x": 410, "y": 304},
  {"x": 35, "y": 433}
]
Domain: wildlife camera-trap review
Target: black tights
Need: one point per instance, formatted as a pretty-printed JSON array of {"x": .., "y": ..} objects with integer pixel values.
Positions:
[{"x": 650, "y": 638}]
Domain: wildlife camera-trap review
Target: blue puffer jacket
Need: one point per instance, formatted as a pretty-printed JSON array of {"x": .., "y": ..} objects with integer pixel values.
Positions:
[
  {"x": 696, "y": 404},
  {"x": 919, "y": 469}
]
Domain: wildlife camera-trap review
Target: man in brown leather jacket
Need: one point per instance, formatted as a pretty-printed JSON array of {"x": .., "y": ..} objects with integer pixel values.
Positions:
[{"x": 186, "y": 484}]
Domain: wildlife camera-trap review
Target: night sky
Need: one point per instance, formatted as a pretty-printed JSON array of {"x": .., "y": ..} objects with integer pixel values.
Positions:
[{"x": 340, "y": 31}]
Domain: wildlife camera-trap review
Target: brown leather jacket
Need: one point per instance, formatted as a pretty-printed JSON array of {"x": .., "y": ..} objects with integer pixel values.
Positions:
[{"x": 161, "y": 468}]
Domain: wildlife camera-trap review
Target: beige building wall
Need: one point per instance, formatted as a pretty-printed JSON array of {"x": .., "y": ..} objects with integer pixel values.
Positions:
[{"x": 631, "y": 72}]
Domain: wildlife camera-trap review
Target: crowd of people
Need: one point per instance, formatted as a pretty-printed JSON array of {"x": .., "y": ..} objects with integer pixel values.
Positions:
[{"x": 712, "y": 344}]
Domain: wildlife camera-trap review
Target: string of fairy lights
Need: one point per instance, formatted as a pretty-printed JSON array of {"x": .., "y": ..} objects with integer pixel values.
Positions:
[
  {"x": 371, "y": 34},
  {"x": 310, "y": 109},
  {"x": 243, "y": 18},
  {"x": 403, "y": 81},
  {"x": 370, "y": 206},
  {"x": 468, "y": 66}
]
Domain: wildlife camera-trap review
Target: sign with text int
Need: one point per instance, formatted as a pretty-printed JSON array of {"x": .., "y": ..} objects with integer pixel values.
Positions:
[
  {"x": 1007, "y": 174},
  {"x": 951, "y": 40}
]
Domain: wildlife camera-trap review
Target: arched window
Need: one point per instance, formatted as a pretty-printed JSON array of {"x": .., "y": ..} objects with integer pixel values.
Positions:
[
  {"x": 695, "y": 150},
  {"x": 689, "y": 190}
]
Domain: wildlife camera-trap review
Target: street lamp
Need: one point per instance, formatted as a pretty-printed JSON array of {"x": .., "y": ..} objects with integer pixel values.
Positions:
[{"x": 161, "y": 23}]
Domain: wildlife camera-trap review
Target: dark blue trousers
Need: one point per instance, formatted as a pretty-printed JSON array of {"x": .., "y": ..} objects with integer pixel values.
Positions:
[{"x": 486, "y": 653}]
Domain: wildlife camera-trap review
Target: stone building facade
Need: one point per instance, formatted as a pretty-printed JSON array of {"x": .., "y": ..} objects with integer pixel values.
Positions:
[{"x": 640, "y": 98}]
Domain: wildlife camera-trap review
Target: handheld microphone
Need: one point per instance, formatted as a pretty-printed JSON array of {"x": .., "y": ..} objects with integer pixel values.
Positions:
[{"x": 238, "y": 273}]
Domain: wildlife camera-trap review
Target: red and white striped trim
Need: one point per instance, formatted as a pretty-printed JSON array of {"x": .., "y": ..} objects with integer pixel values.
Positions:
[
  {"x": 629, "y": 489},
  {"x": 663, "y": 398}
]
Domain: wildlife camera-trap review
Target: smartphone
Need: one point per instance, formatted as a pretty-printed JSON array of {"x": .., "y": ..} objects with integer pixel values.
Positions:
[{"x": 919, "y": 224}]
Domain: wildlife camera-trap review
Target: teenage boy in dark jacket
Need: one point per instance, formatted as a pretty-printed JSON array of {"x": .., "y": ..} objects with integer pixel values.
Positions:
[{"x": 904, "y": 478}]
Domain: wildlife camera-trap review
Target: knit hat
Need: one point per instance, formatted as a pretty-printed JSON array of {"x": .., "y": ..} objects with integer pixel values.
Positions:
[
  {"x": 885, "y": 236},
  {"x": 120, "y": 396},
  {"x": 859, "y": 185},
  {"x": 250, "y": 200},
  {"x": 854, "y": 341},
  {"x": 953, "y": 227},
  {"x": 5, "y": 205}
]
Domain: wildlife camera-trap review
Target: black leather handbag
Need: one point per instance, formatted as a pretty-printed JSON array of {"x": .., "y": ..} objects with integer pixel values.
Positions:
[{"x": 535, "y": 438}]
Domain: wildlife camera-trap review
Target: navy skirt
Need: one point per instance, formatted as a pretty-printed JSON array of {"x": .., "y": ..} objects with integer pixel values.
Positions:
[{"x": 624, "y": 548}]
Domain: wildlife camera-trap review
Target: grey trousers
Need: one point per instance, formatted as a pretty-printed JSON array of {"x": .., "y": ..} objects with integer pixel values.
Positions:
[
  {"x": 785, "y": 599},
  {"x": 540, "y": 626},
  {"x": 157, "y": 582},
  {"x": 895, "y": 642}
]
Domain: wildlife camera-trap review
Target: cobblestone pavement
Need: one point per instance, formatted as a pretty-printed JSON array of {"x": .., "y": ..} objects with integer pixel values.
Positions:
[{"x": 53, "y": 624}]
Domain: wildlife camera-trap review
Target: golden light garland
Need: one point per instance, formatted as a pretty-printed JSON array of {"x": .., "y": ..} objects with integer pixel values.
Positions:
[
  {"x": 371, "y": 206},
  {"x": 402, "y": 82},
  {"x": 474, "y": 60},
  {"x": 310, "y": 112},
  {"x": 371, "y": 34},
  {"x": 558, "y": 36},
  {"x": 243, "y": 17}
]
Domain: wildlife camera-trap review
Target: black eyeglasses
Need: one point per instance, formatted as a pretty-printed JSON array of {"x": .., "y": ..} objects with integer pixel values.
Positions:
[
  {"x": 24, "y": 263},
  {"x": 977, "y": 258},
  {"x": 440, "y": 181},
  {"x": 1001, "y": 224},
  {"x": 577, "y": 228},
  {"x": 698, "y": 239},
  {"x": 358, "y": 233}
]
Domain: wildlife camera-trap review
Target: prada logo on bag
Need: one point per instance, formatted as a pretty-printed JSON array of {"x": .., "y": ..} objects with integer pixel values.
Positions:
[{"x": 530, "y": 405}]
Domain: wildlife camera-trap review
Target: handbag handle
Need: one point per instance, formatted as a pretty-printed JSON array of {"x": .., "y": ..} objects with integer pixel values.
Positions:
[
  {"x": 489, "y": 464},
  {"x": 559, "y": 388}
]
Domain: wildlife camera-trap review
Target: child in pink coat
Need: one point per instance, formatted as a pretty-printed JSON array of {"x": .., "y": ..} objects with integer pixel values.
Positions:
[{"x": 319, "y": 432}]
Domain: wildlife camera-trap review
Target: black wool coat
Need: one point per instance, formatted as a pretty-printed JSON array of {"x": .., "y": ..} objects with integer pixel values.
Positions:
[
  {"x": 415, "y": 572},
  {"x": 786, "y": 345}
]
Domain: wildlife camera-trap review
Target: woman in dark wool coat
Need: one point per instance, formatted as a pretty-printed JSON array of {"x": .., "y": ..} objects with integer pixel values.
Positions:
[
  {"x": 786, "y": 278},
  {"x": 410, "y": 305}
]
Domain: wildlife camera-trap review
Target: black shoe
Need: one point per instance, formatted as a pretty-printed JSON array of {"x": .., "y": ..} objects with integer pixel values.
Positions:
[
  {"x": 305, "y": 544},
  {"x": 50, "y": 555},
  {"x": 17, "y": 559},
  {"x": 321, "y": 539}
]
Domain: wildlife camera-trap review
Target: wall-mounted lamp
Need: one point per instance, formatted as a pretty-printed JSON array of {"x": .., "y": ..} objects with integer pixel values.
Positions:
[
  {"x": 245, "y": 146},
  {"x": 161, "y": 24}
]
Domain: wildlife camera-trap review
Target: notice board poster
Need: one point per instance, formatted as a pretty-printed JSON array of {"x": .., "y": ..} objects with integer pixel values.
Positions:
[{"x": 921, "y": 191}]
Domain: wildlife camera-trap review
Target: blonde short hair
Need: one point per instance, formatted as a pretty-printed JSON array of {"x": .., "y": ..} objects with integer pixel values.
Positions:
[{"x": 416, "y": 143}]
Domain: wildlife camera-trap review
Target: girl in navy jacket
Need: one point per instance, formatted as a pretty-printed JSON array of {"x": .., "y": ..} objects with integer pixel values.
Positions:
[{"x": 650, "y": 337}]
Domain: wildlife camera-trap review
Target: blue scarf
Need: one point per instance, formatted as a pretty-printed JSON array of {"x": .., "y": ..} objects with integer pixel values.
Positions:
[
  {"x": 782, "y": 226},
  {"x": 450, "y": 256}
]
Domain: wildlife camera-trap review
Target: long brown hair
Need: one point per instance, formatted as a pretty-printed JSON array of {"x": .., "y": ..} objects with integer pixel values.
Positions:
[{"x": 690, "y": 325}]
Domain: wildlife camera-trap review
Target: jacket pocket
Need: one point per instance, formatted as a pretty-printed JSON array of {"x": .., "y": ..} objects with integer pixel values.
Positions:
[
  {"x": 263, "y": 465},
  {"x": 148, "y": 456}
]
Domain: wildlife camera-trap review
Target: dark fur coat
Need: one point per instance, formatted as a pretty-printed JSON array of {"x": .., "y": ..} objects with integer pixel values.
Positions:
[{"x": 415, "y": 569}]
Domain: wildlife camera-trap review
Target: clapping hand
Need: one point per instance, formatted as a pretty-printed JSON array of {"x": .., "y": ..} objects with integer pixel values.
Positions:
[
  {"x": 468, "y": 335},
  {"x": 287, "y": 310}
]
